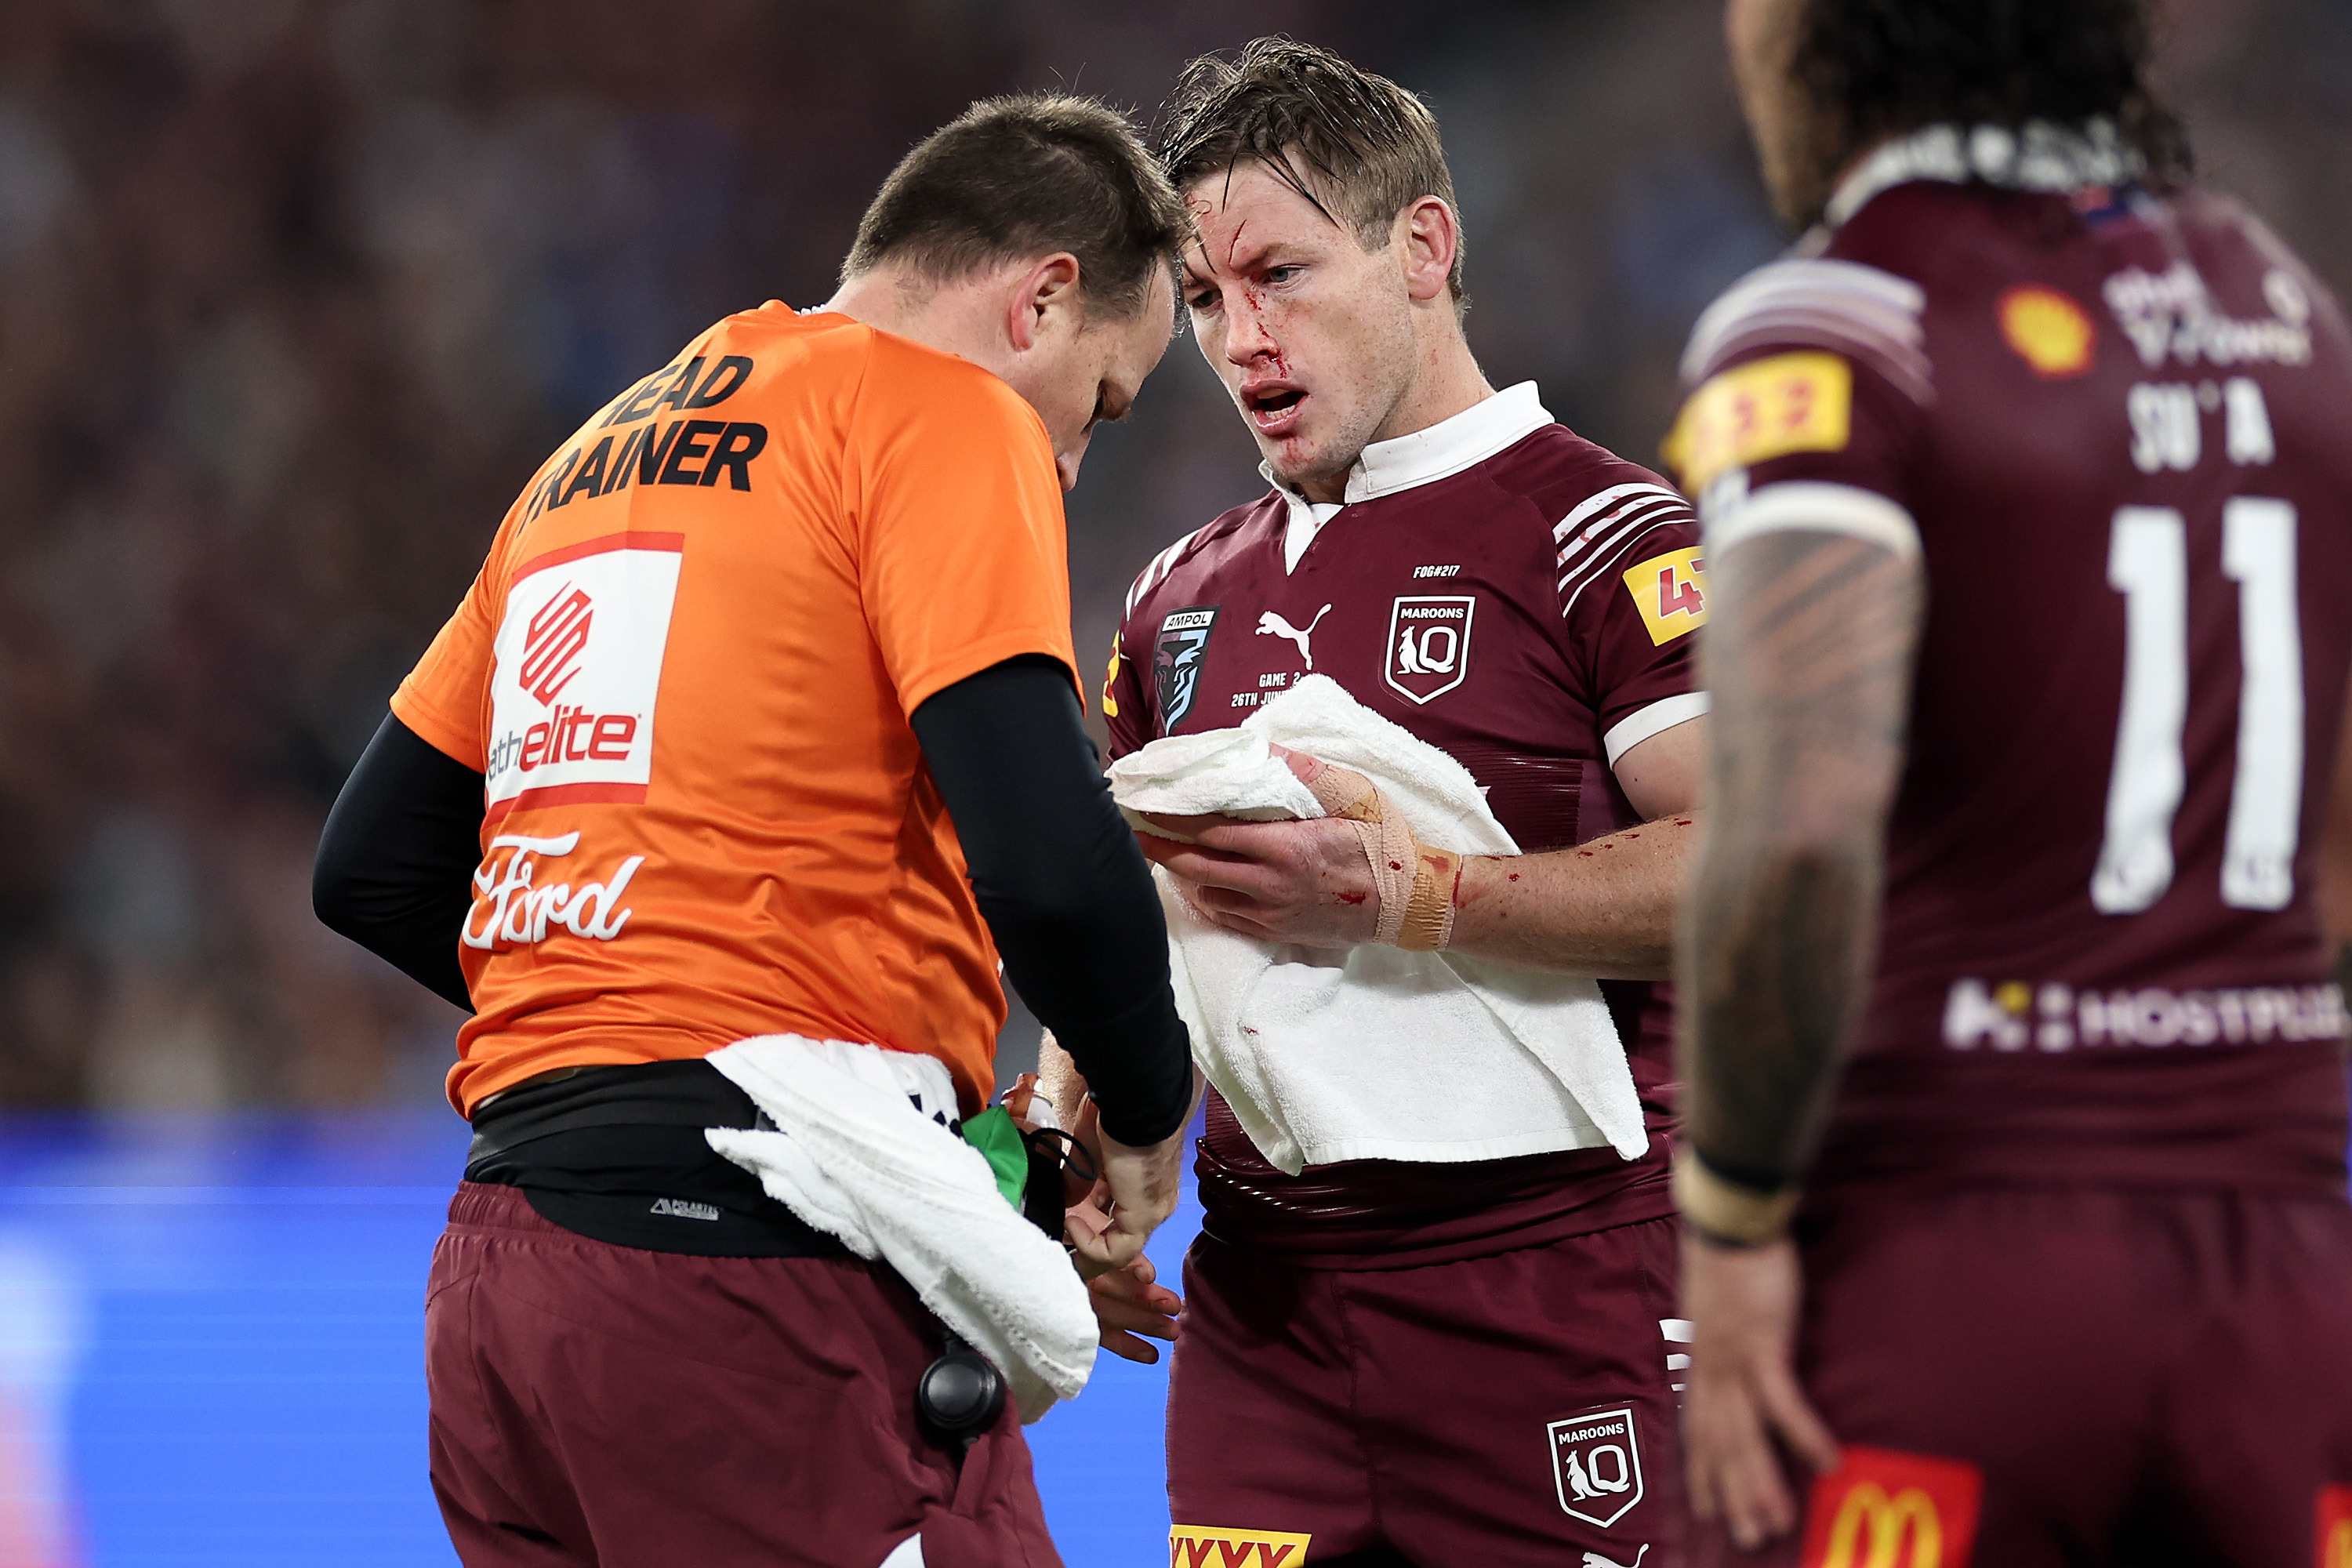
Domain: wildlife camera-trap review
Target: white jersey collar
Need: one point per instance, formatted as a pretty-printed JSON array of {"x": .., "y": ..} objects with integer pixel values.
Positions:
[
  {"x": 1443, "y": 449},
  {"x": 2038, "y": 156}
]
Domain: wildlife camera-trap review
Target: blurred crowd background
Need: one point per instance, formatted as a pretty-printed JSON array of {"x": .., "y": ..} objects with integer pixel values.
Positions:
[{"x": 295, "y": 294}]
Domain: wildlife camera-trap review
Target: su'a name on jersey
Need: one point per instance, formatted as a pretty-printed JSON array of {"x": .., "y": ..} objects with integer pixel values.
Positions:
[{"x": 2117, "y": 430}]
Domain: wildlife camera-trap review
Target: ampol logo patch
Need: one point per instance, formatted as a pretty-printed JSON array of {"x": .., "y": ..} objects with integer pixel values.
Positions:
[
  {"x": 1885, "y": 1508},
  {"x": 1176, "y": 660},
  {"x": 578, "y": 663},
  {"x": 1429, "y": 644},
  {"x": 2331, "y": 1536},
  {"x": 1213, "y": 1546},
  {"x": 1596, "y": 1462}
]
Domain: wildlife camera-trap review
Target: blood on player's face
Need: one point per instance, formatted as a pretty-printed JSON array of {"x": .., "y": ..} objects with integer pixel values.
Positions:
[{"x": 1311, "y": 332}]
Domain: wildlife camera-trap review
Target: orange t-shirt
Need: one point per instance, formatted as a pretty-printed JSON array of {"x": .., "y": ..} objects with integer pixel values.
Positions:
[{"x": 686, "y": 671}]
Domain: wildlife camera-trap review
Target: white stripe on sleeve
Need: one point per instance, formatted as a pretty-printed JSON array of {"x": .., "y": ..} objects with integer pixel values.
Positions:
[
  {"x": 1810, "y": 506},
  {"x": 1656, "y": 719}
]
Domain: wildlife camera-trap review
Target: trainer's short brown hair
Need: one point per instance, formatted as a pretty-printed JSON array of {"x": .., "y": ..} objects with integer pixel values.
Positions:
[
  {"x": 1012, "y": 178},
  {"x": 1357, "y": 146}
]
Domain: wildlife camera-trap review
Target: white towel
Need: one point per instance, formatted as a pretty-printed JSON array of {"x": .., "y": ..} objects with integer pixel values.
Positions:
[
  {"x": 1375, "y": 1053},
  {"x": 858, "y": 1155}
]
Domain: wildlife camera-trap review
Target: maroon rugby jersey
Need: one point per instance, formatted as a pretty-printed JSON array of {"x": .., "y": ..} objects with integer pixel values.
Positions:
[
  {"x": 1520, "y": 599},
  {"x": 2119, "y": 426}
]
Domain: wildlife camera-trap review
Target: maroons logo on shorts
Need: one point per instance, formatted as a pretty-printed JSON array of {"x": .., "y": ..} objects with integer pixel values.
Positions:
[
  {"x": 1176, "y": 660},
  {"x": 1429, "y": 644},
  {"x": 1597, "y": 1464}
]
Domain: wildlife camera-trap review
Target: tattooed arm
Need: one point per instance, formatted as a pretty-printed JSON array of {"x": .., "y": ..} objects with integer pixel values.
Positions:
[
  {"x": 1808, "y": 653},
  {"x": 1808, "y": 657}
]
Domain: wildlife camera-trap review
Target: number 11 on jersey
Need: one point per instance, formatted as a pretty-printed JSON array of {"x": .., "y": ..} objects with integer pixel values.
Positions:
[{"x": 2148, "y": 563}]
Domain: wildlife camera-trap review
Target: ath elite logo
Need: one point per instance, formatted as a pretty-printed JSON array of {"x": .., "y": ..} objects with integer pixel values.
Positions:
[
  {"x": 1429, "y": 644},
  {"x": 1596, "y": 1464},
  {"x": 578, "y": 663},
  {"x": 1884, "y": 1508},
  {"x": 552, "y": 641},
  {"x": 1176, "y": 660},
  {"x": 1213, "y": 1546}
]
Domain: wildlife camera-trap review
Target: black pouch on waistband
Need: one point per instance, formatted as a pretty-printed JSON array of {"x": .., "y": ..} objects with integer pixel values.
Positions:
[{"x": 616, "y": 1154}]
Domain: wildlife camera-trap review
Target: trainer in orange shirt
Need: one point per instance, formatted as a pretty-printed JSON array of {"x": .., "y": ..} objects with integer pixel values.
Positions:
[{"x": 760, "y": 721}]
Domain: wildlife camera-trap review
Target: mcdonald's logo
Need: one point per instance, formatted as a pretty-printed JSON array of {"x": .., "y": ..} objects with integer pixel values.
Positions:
[
  {"x": 1874, "y": 1530},
  {"x": 2333, "y": 1537},
  {"x": 1884, "y": 1508},
  {"x": 1213, "y": 1546}
]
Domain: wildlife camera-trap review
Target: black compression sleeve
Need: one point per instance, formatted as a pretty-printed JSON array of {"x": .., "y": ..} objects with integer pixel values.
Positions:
[
  {"x": 396, "y": 865},
  {"x": 1063, "y": 887}
]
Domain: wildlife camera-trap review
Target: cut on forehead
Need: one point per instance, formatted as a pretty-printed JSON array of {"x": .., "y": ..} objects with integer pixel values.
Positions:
[{"x": 1357, "y": 147}]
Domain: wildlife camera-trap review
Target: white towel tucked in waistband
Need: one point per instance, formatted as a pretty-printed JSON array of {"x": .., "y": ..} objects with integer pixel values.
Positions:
[
  {"x": 1375, "y": 1053},
  {"x": 858, "y": 1155}
]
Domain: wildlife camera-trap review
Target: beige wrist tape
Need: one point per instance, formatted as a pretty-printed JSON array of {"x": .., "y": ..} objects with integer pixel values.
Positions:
[
  {"x": 1727, "y": 1210},
  {"x": 1415, "y": 884}
]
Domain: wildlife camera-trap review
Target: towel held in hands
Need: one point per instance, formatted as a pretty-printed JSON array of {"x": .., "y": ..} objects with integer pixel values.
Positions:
[{"x": 1374, "y": 1052}]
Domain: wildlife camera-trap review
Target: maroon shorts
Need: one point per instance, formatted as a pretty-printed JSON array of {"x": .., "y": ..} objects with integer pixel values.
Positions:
[
  {"x": 600, "y": 1404},
  {"x": 2076, "y": 1377},
  {"x": 1501, "y": 1410}
]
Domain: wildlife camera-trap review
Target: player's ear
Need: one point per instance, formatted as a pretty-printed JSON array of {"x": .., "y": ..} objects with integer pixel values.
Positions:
[
  {"x": 1430, "y": 237},
  {"x": 1045, "y": 298}
]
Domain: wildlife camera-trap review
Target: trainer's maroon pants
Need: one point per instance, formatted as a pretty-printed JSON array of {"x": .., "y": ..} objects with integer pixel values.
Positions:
[
  {"x": 600, "y": 1404},
  {"x": 2077, "y": 1379}
]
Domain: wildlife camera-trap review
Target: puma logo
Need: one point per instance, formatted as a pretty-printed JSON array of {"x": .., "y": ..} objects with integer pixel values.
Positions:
[
  {"x": 1270, "y": 624},
  {"x": 1594, "y": 1559}
]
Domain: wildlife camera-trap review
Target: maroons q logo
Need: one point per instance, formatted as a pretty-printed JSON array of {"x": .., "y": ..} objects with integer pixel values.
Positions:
[
  {"x": 1596, "y": 1464},
  {"x": 1429, "y": 644}
]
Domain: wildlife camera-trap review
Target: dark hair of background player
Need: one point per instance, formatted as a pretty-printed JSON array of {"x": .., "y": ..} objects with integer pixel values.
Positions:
[
  {"x": 1357, "y": 146},
  {"x": 1013, "y": 178},
  {"x": 1878, "y": 69}
]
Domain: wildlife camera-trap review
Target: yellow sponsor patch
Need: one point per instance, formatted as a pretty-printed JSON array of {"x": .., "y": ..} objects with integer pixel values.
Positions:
[
  {"x": 1110, "y": 679},
  {"x": 1212, "y": 1546},
  {"x": 2048, "y": 330},
  {"x": 1765, "y": 408},
  {"x": 2334, "y": 1533},
  {"x": 1669, "y": 591}
]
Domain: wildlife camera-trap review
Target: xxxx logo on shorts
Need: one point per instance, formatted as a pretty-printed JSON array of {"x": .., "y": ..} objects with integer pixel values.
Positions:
[
  {"x": 1884, "y": 1508},
  {"x": 1213, "y": 1546},
  {"x": 2332, "y": 1539}
]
